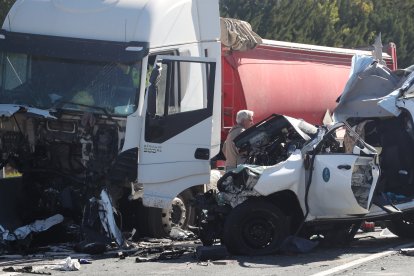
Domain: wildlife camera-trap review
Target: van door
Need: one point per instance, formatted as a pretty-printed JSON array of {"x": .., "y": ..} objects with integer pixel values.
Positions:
[
  {"x": 343, "y": 184},
  {"x": 176, "y": 142}
]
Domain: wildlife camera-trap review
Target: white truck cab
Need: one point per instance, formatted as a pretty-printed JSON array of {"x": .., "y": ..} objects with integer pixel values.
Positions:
[{"x": 121, "y": 94}]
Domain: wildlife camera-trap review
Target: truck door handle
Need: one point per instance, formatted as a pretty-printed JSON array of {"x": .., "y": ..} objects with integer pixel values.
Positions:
[
  {"x": 344, "y": 167},
  {"x": 202, "y": 153}
]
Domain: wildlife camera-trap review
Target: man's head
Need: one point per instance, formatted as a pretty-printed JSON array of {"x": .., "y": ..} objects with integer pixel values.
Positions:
[{"x": 245, "y": 118}]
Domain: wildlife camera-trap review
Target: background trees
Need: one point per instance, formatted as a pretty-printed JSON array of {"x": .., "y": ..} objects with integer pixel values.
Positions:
[{"x": 338, "y": 23}]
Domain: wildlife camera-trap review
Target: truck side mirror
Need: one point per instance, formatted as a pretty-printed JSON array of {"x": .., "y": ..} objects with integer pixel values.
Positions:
[{"x": 153, "y": 89}]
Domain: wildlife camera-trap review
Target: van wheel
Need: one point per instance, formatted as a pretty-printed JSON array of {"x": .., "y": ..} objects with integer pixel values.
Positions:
[
  {"x": 402, "y": 228},
  {"x": 180, "y": 214},
  {"x": 254, "y": 228}
]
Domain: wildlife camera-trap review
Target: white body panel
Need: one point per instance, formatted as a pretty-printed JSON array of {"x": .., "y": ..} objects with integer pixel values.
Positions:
[
  {"x": 168, "y": 164},
  {"x": 286, "y": 175},
  {"x": 334, "y": 197}
]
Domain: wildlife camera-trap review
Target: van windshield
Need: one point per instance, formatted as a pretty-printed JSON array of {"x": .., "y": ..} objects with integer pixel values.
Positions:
[{"x": 50, "y": 82}]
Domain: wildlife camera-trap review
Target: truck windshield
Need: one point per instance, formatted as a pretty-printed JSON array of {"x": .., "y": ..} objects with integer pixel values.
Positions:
[{"x": 46, "y": 82}]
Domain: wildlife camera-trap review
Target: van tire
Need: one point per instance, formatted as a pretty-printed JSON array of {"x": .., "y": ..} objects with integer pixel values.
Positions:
[{"x": 255, "y": 227}]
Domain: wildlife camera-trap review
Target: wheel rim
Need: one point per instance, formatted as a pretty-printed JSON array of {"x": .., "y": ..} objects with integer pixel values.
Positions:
[
  {"x": 259, "y": 230},
  {"x": 175, "y": 215}
]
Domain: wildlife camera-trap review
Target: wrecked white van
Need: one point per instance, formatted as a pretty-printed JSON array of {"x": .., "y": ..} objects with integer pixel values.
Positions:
[
  {"x": 303, "y": 180},
  {"x": 299, "y": 174}
]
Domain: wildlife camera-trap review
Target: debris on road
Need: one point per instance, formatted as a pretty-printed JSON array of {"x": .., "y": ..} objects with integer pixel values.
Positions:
[
  {"x": 160, "y": 253},
  {"x": 25, "y": 269},
  {"x": 387, "y": 233},
  {"x": 84, "y": 261},
  {"x": 180, "y": 234},
  {"x": 407, "y": 251},
  {"x": 69, "y": 264},
  {"x": 36, "y": 227}
]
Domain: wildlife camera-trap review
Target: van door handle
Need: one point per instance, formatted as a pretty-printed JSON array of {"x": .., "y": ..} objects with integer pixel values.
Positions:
[{"x": 344, "y": 167}]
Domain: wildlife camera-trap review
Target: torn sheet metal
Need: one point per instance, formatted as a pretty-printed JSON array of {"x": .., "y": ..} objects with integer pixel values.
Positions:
[
  {"x": 36, "y": 227},
  {"x": 369, "y": 82},
  {"x": 389, "y": 103},
  {"x": 160, "y": 253},
  {"x": 106, "y": 214},
  {"x": 8, "y": 110},
  {"x": 237, "y": 186}
]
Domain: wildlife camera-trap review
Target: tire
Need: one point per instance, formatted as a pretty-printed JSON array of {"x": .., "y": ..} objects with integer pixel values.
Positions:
[
  {"x": 403, "y": 228},
  {"x": 181, "y": 214},
  {"x": 254, "y": 228}
]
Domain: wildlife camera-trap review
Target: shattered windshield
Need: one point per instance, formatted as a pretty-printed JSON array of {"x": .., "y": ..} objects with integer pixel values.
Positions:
[{"x": 50, "y": 82}]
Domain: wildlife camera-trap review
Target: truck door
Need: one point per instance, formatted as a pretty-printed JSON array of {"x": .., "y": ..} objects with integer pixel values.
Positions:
[
  {"x": 175, "y": 145},
  {"x": 343, "y": 184}
]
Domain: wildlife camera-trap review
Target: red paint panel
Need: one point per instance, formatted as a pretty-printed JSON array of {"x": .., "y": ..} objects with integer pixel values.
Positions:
[{"x": 298, "y": 82}]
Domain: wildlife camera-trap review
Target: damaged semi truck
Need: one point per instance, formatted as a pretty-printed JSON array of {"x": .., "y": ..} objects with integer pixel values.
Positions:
[
  {"x": 77, "y": 117},
  {"x": 303, "y": 181}
]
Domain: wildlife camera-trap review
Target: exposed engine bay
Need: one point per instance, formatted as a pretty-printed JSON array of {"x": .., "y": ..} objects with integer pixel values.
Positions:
[
  {"x": 66, "y": 160},
  {"x": 274, "y": 139}
]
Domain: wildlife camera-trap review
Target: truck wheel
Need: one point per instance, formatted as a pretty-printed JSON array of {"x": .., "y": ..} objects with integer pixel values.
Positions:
[
  {"x": 254, "y": 228},
  {"x": 402, "y": 228},
  {"x": 180, "y": 214}
]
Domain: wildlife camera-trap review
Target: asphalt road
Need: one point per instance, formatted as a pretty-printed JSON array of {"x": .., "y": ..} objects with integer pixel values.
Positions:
[{"x": 371, "y": 254}]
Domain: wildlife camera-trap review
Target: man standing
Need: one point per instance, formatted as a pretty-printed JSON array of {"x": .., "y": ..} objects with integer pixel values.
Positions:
[{"x": 244, "y": 120}]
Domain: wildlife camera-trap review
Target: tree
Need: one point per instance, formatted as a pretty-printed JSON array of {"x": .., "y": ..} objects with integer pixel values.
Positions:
[
  {"x": 338, "y": 23},
  {"x": 5, "y": 6}
]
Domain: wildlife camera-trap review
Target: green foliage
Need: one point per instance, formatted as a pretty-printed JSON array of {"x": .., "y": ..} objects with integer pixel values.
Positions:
[
  {"x": 338, "y": 23},
  {"x": 5, "y": 6}
]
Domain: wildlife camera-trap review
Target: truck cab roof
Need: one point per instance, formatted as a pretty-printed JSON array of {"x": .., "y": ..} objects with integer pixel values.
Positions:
[{"x": 159, "y": 22}]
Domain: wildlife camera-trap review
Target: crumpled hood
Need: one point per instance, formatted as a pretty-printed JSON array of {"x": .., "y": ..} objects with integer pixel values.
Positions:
[
  {"x": 8, "y": 110},
  {"x": 368, "y": 84},
  {"x": 272, "y": 127}
]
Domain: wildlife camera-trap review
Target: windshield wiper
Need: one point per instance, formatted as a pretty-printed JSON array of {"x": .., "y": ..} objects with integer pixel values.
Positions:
[{"x": 60, "y": 104}]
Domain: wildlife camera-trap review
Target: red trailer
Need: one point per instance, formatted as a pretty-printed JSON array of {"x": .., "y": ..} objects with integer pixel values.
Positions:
[{"x": 298, "y": 80}]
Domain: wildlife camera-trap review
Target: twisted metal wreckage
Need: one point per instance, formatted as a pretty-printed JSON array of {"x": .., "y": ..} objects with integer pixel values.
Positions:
[{"x": 301, "y": 180}]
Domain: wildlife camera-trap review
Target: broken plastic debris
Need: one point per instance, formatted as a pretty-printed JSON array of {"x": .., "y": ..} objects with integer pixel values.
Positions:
[
  {"x": 84, "y": 261},
  {"x": 177, "y": 233},
  {"x": 69, "y": 264},
  {"x": 159, "y": 253},
  {"x": 407, "y": 251},
  {"x": 25, "y": 269},
  {"x": 37, "y": 226},
  {"x": 107, "y": 218},
  {"x": 387, "y": 233}
]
